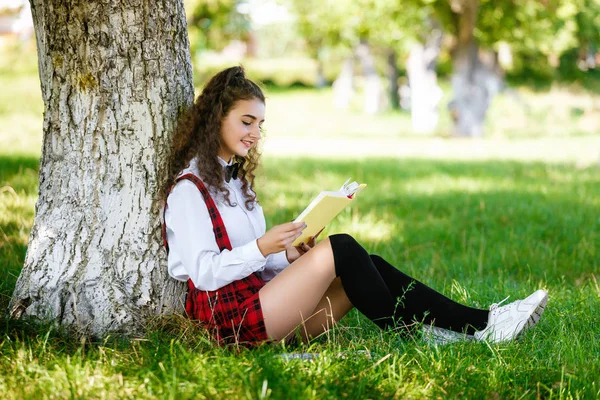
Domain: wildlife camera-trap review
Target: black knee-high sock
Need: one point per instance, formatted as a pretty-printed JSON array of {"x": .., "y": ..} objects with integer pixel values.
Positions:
[
  {"x": 389, "y": 297},
  {"x": 422, "y": 303}
]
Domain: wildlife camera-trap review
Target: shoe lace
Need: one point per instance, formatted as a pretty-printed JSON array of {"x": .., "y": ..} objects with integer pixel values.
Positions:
[{"x": 496, "y": 305}]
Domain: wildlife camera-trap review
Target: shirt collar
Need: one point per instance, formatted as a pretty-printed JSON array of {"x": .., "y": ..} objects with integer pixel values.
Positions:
[{"x": 225, "y": 163}]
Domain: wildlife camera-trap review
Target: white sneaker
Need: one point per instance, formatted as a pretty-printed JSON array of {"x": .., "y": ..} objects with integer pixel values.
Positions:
[
  {"x": 507, "y": 322},
  {"x": 436, "y": 335}
]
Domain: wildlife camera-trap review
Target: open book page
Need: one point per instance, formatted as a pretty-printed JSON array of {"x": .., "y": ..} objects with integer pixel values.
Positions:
[
  {"x": 324, "y": 208},
  {"x": 351, "y": 188}
]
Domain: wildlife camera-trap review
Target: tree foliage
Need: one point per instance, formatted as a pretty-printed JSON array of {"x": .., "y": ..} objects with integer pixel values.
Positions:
[
  {"x": 213, "y": 23},
  {"x": 545, "y": 27}
]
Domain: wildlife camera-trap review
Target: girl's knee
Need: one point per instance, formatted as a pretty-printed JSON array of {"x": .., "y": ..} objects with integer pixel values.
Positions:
[
  {"x": 322, "y": 250},
  {"x": 321, "y": 256},
  {"x": 345, "y": 243},
  {"x": 343, "y": 239},
  {"x": 376, "y": 258},
  {"x": 323, "y": 245}
]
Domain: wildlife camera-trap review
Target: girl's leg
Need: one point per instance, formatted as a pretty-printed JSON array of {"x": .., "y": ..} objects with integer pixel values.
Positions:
[
  {"x": 293, "y": 295},
  {"x": 299, "y": 291},
  {"x": 421, "y": 303},
  {"x": 389, "y": 298},
  {"x": 331, "y": 308}
]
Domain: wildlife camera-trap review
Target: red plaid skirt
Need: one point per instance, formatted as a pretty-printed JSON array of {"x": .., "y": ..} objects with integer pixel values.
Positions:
[{"x": 232, "y": 313}]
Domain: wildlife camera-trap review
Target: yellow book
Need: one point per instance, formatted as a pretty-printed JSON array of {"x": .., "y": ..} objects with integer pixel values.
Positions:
[{"x": 324, "y": 208}]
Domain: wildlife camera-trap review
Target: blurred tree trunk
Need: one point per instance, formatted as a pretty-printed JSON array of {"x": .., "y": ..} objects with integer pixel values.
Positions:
[
  {"x": 372, "y": 83},
  {"x": 114, "y": 77},
  {"x": 251, "y": 41},
  {"x": 343, "y": 86},
  {"x": 392, "y": 72},
  {"x": 473, "y": 82},
  {"x": 317, "y": 55},
  {"x": 320, "y": 80},
  {"x": 425, "y": 94}
]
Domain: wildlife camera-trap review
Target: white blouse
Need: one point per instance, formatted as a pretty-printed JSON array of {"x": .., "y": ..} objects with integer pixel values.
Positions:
[{"x": 193, "y": 250}]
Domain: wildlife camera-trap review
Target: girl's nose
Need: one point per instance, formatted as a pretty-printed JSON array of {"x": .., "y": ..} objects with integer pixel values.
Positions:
[{"x": 255, "y": 133}]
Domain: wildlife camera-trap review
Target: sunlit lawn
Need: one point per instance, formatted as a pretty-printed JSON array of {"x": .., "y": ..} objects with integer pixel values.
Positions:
[{"x": 475, "y": 230}]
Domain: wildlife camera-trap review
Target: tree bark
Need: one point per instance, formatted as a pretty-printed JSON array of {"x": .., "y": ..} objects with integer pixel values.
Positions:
[
  {"x": 473, "y": 83},
  {"x": 114, "y": 76}
]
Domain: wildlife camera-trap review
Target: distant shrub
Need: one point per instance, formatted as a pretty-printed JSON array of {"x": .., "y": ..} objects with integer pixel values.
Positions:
[
  {"x": 569, "y": 70},
  {"x": 532, "y": 69},
  {"x": 284, "y": 72}
]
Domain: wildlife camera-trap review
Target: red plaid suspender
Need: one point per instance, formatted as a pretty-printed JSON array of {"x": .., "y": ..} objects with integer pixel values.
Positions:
[
  {"x": 232, "y": 312},
  {"x": 217, "y": 222}
]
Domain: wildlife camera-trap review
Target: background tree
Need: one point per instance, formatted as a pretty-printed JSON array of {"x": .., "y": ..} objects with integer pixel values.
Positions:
[
  {"x": 114, "y": 77},
  {"x": 361, "y": 32},
  {"x": 588, "y": 34},
  {"x": 580, "y": 61},
  {"x": 325, "y": 26},
  {"x": 473, "y": 29},
  {"x": 212, "y": 24},
  {"x": 478, "y": 26}
]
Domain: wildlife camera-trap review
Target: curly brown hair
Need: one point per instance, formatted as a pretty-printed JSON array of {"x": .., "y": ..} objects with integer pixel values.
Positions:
[{"x": 198, "y": 135}]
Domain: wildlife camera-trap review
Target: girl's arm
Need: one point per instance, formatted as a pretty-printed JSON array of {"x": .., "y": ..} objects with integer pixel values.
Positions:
[
  {"x": 276, "y": 263},
  {"x": 193, "y": 248}
]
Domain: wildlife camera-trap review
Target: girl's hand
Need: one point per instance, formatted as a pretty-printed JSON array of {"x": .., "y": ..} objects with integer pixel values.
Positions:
[
  {"x": 294, "y": 253},
  {"x": 279, "y": 237}
]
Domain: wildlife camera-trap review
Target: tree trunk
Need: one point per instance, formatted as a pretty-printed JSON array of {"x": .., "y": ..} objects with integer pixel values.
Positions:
[
  {"x": 425, "y": 94},
  {"x": 392, "y": 72},
  {"x": 320, "y": 81},
  {"x": 317, "y": 54},
  {"x": 114, "y": 76},
  {"x": 473, "y": 83},
  {"x": 373, "y": 89},
  {"x": 343, "y": 86}
]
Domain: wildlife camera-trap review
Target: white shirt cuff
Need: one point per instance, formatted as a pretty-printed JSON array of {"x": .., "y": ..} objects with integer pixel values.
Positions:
[
  {"x": 279, "y": 260},
  {"x": 252, "y": 252}
]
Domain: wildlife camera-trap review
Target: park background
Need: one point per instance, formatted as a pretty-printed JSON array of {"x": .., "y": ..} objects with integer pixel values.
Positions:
[{"x": 478, "y": 215}]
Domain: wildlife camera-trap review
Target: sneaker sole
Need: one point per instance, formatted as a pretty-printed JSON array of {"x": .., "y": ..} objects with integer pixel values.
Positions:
[
  {"x": 511, "y": 333},
  {"x": 435, "y": 335},
  {"x": 533, "y": 319},
  {"x": 537, "y": 313}
]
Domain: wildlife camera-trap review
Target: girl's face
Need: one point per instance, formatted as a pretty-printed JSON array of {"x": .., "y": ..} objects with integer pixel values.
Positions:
[{"x": 240, "y": 129}]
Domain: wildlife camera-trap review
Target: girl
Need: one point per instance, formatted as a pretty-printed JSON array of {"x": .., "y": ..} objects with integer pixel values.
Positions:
[{"x": 249, "y": 285}]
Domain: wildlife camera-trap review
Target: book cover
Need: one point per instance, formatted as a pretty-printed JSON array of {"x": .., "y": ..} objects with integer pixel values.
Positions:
[{"x": 325, "y": 207}]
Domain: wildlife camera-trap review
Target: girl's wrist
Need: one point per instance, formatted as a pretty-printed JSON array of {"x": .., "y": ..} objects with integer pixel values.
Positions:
[
  {"x": 261, "y": 248},
  {"x": 292, "y": 254}
]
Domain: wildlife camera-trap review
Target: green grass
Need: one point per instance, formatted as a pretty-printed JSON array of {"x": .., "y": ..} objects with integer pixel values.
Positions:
[
  {"x": 474, "y": 230},
  {"x": 477, "y": 231}
]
